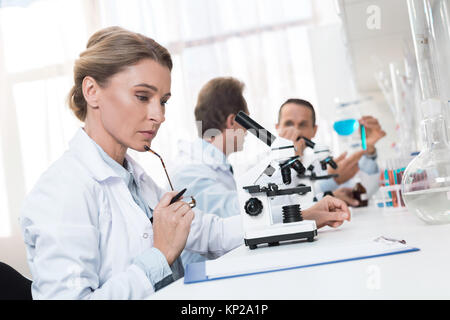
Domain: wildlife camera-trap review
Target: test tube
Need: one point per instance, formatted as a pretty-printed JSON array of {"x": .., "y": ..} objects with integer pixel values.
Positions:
[
  {"x": 391, "y": 180},
  {"x": 363, "y": 137}
]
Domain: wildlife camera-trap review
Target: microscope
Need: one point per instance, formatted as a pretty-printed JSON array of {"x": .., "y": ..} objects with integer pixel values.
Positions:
[
  {"x": 322, "y": 159},
  {"x": 262, "y": 196}
]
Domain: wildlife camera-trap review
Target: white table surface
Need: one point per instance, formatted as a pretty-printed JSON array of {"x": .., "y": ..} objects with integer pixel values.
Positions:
[{"x": 417, "y": 275}]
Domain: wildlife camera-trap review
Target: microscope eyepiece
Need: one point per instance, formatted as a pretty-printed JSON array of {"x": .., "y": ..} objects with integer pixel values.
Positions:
[
  {"x": 333, "y": 164},
  {"x": 255, "y": 128},
  {"x": 308, "y": 142},
  {"x": 328, "y": 161}
]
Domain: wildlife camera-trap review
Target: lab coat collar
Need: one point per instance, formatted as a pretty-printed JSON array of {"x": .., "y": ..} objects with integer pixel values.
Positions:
[
  {"x": 86, "y": 151},
  {"x": 204, "y": 152}
]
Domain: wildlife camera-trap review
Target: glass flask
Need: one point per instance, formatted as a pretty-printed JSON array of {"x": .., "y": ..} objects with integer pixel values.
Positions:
[{"x": 426, "y": 181}]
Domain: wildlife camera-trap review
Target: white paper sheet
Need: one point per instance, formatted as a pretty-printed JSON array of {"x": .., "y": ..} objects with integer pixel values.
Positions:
[{"x": 299, "y": 255}]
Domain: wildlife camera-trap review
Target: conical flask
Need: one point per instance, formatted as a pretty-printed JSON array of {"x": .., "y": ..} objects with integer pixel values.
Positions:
[{"x": 426, "y": 181}]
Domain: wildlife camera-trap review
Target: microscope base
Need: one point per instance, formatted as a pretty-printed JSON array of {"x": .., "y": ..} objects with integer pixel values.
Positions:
[{"x": 276, "y": 239}]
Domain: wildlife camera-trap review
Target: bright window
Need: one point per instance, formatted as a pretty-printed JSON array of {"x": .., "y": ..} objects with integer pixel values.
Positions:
[
  {"x": 263, "y": 43},
  {"x": 5, "y": 223}
]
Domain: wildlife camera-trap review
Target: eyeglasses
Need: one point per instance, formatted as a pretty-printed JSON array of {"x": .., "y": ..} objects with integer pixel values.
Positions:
[{"x": 192, "y": 203}]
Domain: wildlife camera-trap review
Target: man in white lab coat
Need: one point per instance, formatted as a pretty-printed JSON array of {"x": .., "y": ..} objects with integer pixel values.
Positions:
[{"x": 203, "y": 167}]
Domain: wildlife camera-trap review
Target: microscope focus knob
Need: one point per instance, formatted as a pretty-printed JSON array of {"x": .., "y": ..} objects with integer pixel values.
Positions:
[{"x": 253, "y": 206}]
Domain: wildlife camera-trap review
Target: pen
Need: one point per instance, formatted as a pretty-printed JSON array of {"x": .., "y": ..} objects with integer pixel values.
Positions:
[
  {"x": 178, "y": 196},
  {"x": 389, "y": 239}
]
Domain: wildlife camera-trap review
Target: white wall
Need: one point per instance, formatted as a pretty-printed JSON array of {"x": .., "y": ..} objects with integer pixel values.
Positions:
[
  {"x": 334, "y": 79},
  {"x": 12, "y": 248}
]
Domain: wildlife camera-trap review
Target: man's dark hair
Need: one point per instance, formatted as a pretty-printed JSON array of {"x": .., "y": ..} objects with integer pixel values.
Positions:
[
  {"x": 217, "y": 99},
  {"x": 300, "y": 102}
]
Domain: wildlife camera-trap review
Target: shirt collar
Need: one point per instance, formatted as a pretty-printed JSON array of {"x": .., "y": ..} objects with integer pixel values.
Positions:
[
  {"x": 125, "y": 171},
  {"x": 99, "y": 163},
  {"x": 135, "y": 169}
]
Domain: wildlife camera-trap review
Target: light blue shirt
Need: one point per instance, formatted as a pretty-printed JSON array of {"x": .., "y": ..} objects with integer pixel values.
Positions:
[
  {"x": 126, "y": 172},
  {"x": 206, "y": 173}
]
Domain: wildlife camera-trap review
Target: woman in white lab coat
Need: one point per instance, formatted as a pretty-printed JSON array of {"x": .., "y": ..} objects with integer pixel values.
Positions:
[{"x": 87, "y": 222}]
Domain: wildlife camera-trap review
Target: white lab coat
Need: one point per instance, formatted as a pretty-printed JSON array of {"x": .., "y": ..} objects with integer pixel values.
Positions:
[{"x": 82, "y": 229}]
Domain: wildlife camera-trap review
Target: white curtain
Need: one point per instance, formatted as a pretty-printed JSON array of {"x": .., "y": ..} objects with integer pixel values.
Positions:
[{"x": 264, "y": 43}]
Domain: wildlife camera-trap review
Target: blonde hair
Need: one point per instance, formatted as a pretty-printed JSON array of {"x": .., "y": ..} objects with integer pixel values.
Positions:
[{"x": 108, "y": 52}]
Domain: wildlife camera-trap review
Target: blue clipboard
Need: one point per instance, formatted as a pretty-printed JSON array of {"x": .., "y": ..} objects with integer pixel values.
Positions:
[{"x": 196, "y": 272}]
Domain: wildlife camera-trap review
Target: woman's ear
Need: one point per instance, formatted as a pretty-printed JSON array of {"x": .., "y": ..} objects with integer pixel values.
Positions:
[{"x": 90, "y": 91}]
